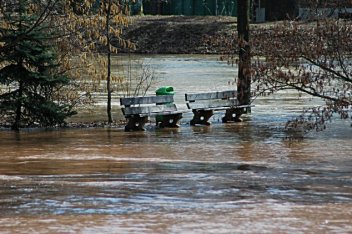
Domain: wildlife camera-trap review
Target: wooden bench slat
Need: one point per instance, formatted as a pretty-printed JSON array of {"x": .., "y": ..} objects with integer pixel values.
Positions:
[
  {"x": 225, "y": 108},
  {"x": 211, "y": 95},
  {"x": 149, "y": 109},
  {"x": 130, "y": 101},
  {"x": 162, "y": 113},
  {"x": 213, "y": 104}
]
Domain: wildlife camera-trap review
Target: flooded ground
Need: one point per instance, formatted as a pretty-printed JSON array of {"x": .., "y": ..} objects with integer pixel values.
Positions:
[{"x": 225, "y": 178}]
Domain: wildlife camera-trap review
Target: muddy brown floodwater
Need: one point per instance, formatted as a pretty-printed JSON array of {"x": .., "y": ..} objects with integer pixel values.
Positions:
[{"x": 225, "y": 178}]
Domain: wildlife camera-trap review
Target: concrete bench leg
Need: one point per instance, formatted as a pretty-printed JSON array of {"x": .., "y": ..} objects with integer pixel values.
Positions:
[
  {"x": 170, "y": 121},
  {"x": 201, "y": 117},
  {"x": 232, "y": 115},
  {"x": 136, "y": 123}
]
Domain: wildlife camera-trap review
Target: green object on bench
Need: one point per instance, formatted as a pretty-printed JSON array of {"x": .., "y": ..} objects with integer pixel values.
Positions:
[{"x": 165, "y": 90}]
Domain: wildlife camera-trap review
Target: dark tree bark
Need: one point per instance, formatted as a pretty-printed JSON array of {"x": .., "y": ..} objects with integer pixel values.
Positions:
[
  {"x": 244, "y": 66},
  {"x": 16, "y": 124}
]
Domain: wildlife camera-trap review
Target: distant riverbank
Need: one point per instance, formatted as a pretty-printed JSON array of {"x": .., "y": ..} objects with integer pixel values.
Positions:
[{"x": 180, "y": 34}]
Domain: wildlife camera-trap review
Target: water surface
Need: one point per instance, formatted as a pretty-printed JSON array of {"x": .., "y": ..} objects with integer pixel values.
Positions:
[{"x": 224, "y": 178}]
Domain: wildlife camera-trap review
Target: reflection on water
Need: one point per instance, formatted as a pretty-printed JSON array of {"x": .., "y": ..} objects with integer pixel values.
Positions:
[{"x": 225, "y": 178}]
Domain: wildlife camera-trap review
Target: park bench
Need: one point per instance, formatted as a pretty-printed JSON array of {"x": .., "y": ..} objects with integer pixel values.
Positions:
[
  {"x": 137, "y": 111},
  {"x": 203, "y": 106}
]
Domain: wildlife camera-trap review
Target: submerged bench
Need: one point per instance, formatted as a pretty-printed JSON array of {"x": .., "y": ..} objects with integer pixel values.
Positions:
[
  {"x": 137, "y": 111},
  {"x": 203, "y": 106}
]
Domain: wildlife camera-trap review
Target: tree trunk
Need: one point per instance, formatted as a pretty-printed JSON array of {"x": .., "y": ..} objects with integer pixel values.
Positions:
[
  {"x": 108, "y": 80},
  {"x": 17, "y": 123},
  {"x": 244, "y": 67}
]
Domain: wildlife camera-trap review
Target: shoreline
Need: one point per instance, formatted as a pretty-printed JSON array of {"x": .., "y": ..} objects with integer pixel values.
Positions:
[{"x": 179, "y": 34}]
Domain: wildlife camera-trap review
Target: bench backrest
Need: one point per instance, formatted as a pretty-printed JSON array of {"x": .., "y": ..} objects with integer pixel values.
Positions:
[
  {"x": 147, "y": 105},
  {"x": 212, "y": 99}
]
